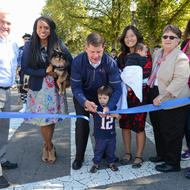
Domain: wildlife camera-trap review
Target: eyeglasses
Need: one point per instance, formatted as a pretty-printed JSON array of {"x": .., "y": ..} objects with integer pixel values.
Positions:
[{"x": 170, "y": 37}]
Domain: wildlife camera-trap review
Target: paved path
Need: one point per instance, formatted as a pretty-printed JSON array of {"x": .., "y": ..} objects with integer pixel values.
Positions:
[{"x": 25, "y": 146}]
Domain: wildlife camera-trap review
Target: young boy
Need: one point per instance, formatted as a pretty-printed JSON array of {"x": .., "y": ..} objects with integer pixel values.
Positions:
[
  {"x": 139, "y": 57},
  {"x": 104, "y": 132}
]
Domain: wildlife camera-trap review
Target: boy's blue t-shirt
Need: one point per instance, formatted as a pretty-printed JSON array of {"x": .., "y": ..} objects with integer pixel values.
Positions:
[{"x": 104, "y": 128}]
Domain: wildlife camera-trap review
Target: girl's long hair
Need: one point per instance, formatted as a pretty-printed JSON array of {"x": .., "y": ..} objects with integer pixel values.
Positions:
[
  {"x": 53, "y": 43},
  {"x": 124, "y": 48},
  {"x": 187, "y": 30}
]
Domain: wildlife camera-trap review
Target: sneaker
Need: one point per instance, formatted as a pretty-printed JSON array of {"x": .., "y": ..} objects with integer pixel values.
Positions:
[
  {"x": 94, "y": 168},
  {"x": 23, "y": 109},
  {"x": 185, "y": 155},
  {"x": 113, "y": 167}
]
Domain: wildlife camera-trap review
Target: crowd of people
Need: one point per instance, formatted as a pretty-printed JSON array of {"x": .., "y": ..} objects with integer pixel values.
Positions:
[{"x": 98, "y": 81}]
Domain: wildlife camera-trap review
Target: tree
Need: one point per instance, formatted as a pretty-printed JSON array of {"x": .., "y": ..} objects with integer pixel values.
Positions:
[
  {"x": 68, "y": 29},
  {"x": 104, "y": 16},
  {"x": 154, "y": 15},
  {"x": 75, "y": 19}
]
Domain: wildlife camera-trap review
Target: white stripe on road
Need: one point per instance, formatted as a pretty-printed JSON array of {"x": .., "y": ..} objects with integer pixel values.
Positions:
[
  {"x": 14, "y": 124},
  {"x": 82, "y": 179}
]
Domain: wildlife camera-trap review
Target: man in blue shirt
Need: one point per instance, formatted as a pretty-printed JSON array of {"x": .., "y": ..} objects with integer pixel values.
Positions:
[
  {"x": 8, "y": 65},
  {"x": 89, "y": 71}
]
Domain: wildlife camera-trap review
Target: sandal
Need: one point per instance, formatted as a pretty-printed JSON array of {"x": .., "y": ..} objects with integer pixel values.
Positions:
[
  {"x": 44, "y": 155},
  {"x": 138, "y": 163},
  {"x": 126, "y": 159},
  {"x": 52, "y": 155},
  {"x": 113, "y": 167}
]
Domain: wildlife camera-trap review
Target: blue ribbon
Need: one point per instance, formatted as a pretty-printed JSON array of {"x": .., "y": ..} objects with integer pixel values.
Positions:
[
  {"x": 38, "y": 115},
  {"x": 151, "y": 107},
  {"x": 139, "y": 109}
]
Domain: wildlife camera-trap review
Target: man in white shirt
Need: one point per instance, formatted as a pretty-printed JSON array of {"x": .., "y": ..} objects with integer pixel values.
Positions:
[{"x": 8, "y": 65}]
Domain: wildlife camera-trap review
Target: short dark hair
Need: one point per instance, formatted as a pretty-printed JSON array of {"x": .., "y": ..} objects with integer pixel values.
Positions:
[
  {"x": 139, "y": 46},
  {"x": 105, "y": 90},
  {"x": 26, "y": 36},
  {"x": 173, "y": 28},
  {"x": 95, "y": 39}
]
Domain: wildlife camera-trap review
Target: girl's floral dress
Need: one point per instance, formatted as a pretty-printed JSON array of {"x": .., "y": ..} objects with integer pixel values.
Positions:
[{"x": 47, "y": 100}]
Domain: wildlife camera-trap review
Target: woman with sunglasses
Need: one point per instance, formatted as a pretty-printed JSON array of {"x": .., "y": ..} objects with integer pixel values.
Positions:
[{"x": 169, "y": 80}]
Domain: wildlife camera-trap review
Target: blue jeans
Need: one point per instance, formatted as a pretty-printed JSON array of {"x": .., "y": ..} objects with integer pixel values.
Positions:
[
  {"x": 104, "y": 145},
  {"x": 187, "y": 129}
]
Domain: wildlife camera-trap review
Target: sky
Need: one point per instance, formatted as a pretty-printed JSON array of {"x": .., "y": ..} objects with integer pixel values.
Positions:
[{"x": 24, "y": 13}]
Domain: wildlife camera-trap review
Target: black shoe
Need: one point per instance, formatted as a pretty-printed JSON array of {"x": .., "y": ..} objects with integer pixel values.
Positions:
[
  {"x": 167, "y": 168},
  {"x": 8, "y": 165},
  {"x": 113, "y": 167},
  {"x": 94, "y": 168},
  {"x": 156, "y": 159},
  {"x": 77, "y": 165},
  {"x": 3, "y": 182}
]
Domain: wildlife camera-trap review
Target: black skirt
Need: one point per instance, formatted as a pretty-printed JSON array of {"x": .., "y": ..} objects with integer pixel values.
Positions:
[{"x": 134, "y": 122}]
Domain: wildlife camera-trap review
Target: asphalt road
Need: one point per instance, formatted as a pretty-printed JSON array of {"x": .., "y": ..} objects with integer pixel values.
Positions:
[{"x": 25, "y": 148}]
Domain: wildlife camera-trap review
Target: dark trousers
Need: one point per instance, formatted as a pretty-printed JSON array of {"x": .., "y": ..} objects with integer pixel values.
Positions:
[
  {"x": 187, "y": 129},
  {"x": 168, "y": 127},
  {"x": 104, "y": 145},
  {"x": 81, "y": 131}
]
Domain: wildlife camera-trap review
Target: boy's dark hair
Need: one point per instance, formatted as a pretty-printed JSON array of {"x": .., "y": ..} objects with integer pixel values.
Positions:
[
  {"x": 139, "y": 46},
  {"x": 105, "y": 90},
  {"x": 95, "y": 40}
]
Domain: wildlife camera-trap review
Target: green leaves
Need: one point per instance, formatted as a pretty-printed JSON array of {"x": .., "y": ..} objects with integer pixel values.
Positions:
[{"x": 75, "y": 19}]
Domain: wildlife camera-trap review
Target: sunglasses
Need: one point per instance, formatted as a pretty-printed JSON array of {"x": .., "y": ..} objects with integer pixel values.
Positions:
[
  {"x": 27, "y": 38},
  {"x": 170, "y": 37}
]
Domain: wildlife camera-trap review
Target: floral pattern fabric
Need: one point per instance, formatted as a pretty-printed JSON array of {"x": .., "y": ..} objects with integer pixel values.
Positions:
[{"x": 47, "y": 100}]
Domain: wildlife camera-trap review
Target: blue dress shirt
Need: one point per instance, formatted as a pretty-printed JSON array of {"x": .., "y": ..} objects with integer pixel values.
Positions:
[{"x": 8, "y": 62}]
